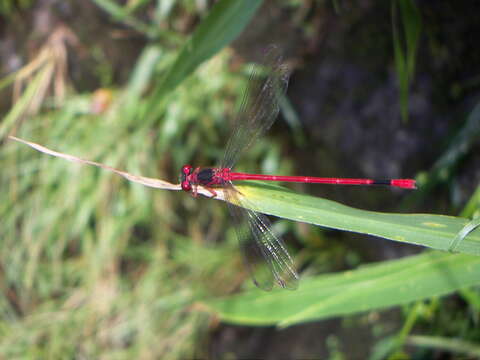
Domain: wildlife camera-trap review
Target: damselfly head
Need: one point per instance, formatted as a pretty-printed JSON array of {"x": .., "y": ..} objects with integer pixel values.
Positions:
[{"x": 184, "y": 181}]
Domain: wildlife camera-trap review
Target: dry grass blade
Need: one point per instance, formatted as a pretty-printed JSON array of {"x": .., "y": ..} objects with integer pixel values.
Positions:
[
  {"x": 155, "y": 183},
  {"x": 146, "y": 181},
  {"x": 52, "y": 57},
  {"x": 32, "y": 83}
]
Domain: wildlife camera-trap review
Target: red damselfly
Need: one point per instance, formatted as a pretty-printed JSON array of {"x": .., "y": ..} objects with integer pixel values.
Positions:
[{"x": 265, "y": 253}]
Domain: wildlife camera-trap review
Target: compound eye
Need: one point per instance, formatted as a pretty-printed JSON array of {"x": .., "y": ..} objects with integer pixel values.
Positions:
[
  {"x": 186, "y": 186},
  {"x": 186, "y": 169}
]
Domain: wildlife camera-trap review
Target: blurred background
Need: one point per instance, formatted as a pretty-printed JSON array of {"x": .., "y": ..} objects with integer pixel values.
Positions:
[{"x": 93, "y": 266}]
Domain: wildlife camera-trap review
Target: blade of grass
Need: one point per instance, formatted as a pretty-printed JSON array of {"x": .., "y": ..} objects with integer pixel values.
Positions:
[
  {"x": 405, "y": 60},
  {"x": 124, "y": 15},
  {"x": 223, "y": 24},
  {"x": 143, "y": 70},
  {"x": 459, "y": 147},
  {"x": 412, "y": 24},
  {"x": 462, "y": 142},
  {"x": 457, "y": 346},
  {"x": 434, "y": 231},
  {"x": 473, "y": 205},
  {"x": 376, "y": 286},
  {"x": 23, "y": 103}
]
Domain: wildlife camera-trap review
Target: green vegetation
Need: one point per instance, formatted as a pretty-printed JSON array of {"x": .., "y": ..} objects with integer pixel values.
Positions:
[
  {"x": 9, "y": 7},
  {"x": 374, "y": 287},
  {"x": 405, "y": 59}
]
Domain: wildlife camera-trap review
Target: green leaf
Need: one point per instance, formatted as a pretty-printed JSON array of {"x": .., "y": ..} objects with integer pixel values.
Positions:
[
  {"x": 23, "y": 103},
  {"x": 224, "y": 23},
  {"x": 405, "y": 60},
  {"x": 473, "y": 205},
  {"x": 444, "y": 168},
  {"x": 376, "y": 286},
  {"x": 124, "y": 15},
  {"x": 434, "y": 231},
  {"x": 142, "y": 72},
  {"x": 372, "y": 287},
  {"x": 412, "y": 23},
  {"x": 454, "y": 345}
]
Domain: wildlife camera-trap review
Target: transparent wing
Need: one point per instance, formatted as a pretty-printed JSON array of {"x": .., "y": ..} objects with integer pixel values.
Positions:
[
  {"x": 265, "y": 254},
  {"x": 259, "y": 107}
]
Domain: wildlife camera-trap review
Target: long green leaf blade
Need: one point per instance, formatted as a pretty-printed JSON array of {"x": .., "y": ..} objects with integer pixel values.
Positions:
[
  {"x": 373, "y": 287},
  {"x": 405, "y": 59},
  {"x": 434, "y": 231},
  {"x": 223, "y": 24}
]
